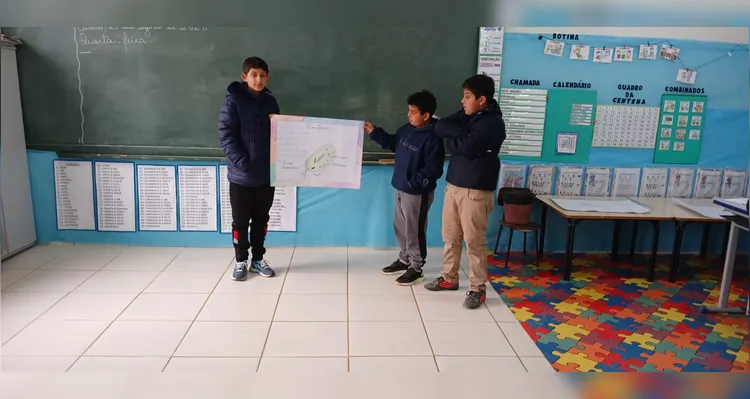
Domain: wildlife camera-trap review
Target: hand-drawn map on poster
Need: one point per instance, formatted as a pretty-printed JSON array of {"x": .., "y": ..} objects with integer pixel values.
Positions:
[{"x": 316, "y": 152}]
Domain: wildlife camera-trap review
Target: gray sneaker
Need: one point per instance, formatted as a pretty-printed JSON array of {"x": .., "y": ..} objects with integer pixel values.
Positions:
[
  {"x": 474, "y": 299},
  {"x": 262, "y": 267},
  {"x": 240, "y": 271}
]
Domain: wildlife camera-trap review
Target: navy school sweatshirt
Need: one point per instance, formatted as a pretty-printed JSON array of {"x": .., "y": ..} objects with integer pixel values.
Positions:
[
  {"x": 420, "y": 155},
  {"x": 474, "y": 143}
]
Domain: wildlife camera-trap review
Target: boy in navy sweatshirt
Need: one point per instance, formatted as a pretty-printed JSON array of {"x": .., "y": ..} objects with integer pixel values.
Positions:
[
  {"x": 420, "y": 155},
  {"x": 473, "y": 136},
  {"x": 245, "y": 136}
]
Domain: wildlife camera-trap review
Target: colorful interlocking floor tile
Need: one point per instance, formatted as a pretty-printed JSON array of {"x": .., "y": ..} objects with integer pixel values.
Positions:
[{"x": 608, "y": 317}]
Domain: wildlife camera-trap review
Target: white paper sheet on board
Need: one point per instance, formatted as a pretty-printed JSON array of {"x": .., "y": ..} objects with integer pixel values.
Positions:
[
  {"x": 115, "y": 196},
  {"x": 597, "y": 182},
  {"x": 74, "y": 195},
  {"x": 197, "y": 186},
  {"x": 157, "y": 198},
  {"x": 654, "y": 182},
  {"x": 625, "y": 183}
]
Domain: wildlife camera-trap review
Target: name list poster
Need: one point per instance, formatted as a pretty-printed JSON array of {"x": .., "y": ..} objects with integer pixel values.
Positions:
[
  {"x": 157, "y": 198},
  {"x": 74, "y": 195},
  {"x": 197, "y": 198},
  {"x": 115, "y": 196},
  {"x": 283, "y": 213}
]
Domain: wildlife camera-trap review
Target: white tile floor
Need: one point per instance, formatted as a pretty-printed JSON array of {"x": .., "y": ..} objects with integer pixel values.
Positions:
[{"x": 329, "y": 310}]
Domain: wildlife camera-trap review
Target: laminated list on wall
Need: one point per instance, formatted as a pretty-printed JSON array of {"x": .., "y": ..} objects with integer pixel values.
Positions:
[
  {"x": 283, "y": 213},
  {"x": 74, "y": 195},
  {"x": 115, "y": 196},
  {"x": 197, "y": 186},
  {"x": 157, "y": 198},
  {"x": 524, "y": 113},
  {"x": 490, "y": 60}
]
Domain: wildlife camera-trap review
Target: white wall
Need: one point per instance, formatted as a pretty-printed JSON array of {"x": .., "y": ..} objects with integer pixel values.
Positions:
[{"x": 723, "y": 34}]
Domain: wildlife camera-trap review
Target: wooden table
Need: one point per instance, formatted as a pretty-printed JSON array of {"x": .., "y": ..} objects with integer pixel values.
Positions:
[
  {"x": 684, "y": 217},
  {"x": 659, "y": 210},
  {"x": 740, "y": 220}
]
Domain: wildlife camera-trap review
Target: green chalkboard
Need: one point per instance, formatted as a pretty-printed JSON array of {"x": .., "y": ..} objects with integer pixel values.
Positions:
[
  {"x": 157, "y": 91},
  {"x": 570, "y": 116},
  {"x": 680, "y": 133}
]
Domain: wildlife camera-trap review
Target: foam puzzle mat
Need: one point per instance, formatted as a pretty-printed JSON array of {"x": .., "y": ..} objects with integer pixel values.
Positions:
[{"x": 608, "y": 317}]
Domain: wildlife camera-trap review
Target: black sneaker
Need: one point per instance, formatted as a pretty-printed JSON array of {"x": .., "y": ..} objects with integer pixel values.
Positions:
[
  {"x": 410, "y": 277},
  {"x": 474, "y": 299},
  {"x": 395, "y": 268},
  {"x": 439, "y": 284}
]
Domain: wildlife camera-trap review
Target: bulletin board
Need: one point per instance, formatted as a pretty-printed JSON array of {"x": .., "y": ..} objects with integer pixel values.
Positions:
[
  {"x": 570, "y": 113},
  {"x": 680, "y": 133}
]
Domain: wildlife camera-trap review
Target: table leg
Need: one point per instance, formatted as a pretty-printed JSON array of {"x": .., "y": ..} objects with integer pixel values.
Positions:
[
  {"x": 633, "y": 238},
  {"x": 704, "y": 239},
  {"x": 654, "y": 247},
  {"x": 543, "y": 231},
  {"x": 569, "y": 248},
  {"x": 725, "y": 243},
  {"x": 616, "y": 239},
  {"x": 726, "y": 278},
  {"x": 679, "y": 229}
]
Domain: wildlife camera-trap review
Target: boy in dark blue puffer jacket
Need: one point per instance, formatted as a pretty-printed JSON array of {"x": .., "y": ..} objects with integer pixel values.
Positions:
[
  {"x": 420, "y": 155},
  {"x": 245, "y": 136}
]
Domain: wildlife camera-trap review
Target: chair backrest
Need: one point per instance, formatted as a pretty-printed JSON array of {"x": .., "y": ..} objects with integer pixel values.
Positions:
[{"x": 514, "y": 194}]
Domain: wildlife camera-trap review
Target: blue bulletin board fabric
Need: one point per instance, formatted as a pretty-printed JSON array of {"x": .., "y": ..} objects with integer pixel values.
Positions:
[{"x": 726, "y": 83}]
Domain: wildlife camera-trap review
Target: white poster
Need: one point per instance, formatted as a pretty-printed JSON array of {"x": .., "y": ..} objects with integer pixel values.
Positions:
[
  {"x": 316, "y": 152},
  {"x": 157, "y": 198},
  {"x": 74, "y": 195},
  {"x": 224, "y": 203},
  {"x": 597, "y": 182},
  {"x": 707, "y": 183},
  {"x": 524, "y": 113},
  {"x": 540, "y": 179},
  {"x": 734, "y": 183},
  {"x": 284, "y": 210},
  {"x": 569, "y": 181},
  {"x": 680, "y": 183},
  {"x": 115, "y": 196},
  {"x": 625, "y": 183},
  {"x": 197, "y": 185},
  {"x": 654, "y": 182},
  {"x": 512, "y": 176}
]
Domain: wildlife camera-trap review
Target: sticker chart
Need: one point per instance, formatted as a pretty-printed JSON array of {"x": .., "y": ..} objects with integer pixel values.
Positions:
[
  {"x": 625, "y": 126},
  {"x": 540, "y": 179},
  {"x": 524, "y": 112},
  {"x": 115, "y": 196},
  {"x": 316, "y": 152},
  {"x": 680, "y": 183},
  {"x": 197, "y": 185},
  {"x": 74, "y": 195},
  {"x": 707, "y": 183},
  {"x": 157, "y": 198},
  {"x": 625, "y": 182},
  {"x": 680, "y": 131},
  {"x": 569, "y": 181},
  {"x": 597, "y": 182},
  {"x": 513, "y": 176}
]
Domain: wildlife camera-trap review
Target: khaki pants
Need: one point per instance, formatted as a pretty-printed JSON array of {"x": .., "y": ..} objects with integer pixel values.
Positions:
[{"x": 465, "y": 214}]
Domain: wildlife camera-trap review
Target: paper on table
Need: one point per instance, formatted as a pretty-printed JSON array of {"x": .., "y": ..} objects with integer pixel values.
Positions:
[
  {"x": 615, "y": 206},
  {"x": 709, "y": 211}
]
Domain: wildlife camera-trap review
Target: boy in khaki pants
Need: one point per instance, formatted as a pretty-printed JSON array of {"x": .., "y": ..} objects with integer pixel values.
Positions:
[{"x": 473, "y": 137}]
